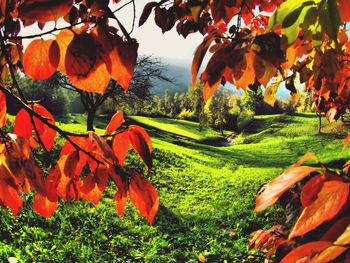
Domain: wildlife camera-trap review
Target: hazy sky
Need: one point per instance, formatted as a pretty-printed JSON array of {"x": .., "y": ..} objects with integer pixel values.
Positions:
[{"x": 152, "y": 41}]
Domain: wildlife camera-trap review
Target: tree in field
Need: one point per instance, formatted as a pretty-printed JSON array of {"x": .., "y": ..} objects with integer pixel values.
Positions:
[
  {"x": 146, "y": 70},
  {"x": 253, "y": 100},
  {"x": 253, "y": 43}
]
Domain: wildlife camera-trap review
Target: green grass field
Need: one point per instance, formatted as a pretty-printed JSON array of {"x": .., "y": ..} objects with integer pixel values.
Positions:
[{"x": 207, "y": 197}]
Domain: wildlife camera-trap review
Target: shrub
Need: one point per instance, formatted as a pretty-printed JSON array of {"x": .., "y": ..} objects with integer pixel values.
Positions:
[{"x": 187, "y": 115}]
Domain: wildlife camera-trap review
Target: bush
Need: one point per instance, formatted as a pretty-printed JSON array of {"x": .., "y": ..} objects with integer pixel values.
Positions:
[
  {"x": 244, "y": 118},
  {"x": 187, "y": 115}
]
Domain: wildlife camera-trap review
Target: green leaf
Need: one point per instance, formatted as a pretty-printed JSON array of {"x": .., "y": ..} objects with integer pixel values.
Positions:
[
  {"x": 330, "y": 19},
  {"x": 290, "y": 15}
]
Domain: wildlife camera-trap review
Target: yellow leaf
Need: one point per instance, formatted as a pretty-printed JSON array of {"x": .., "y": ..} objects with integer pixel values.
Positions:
[{"x": 270, "y": 92}]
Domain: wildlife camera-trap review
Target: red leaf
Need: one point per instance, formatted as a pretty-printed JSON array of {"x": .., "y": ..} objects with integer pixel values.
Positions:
[
  {"x": 94, "y": 185},
  {"x": 344, "y": 10},
  {"x": 68, "y": 186},
  {"x": 336, "y": 229},
  {"x": 2, "y": 109},
  {"x": 103, "y": 148},
  {"x": 23, "y": 126},
  {"x": 44, "y": 10},
  {"x": 41, "y": 58},
  {"x": 305, "y": 251},
  {"x": 313, "y": 186},
  {"x": 47, "y": 135},
  {"x": 146, "y": 12},
  {"x": 123, "y": 57},
  {"x": 43, "y": 206},
  {"x": 273, "y": 190},
  {"x": 144, "y": 197},
  {"x": 141, "y": 143},
  {"x": 51, "y": 184},
  {"x": 340, "y": 242},
  {"x": 121, "y": 146},
  {"x": 116, "y": 121},
  {"x": 329, "y": 202}
]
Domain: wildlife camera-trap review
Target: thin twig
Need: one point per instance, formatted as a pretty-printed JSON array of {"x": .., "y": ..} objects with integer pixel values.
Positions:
[
  {"x": 10, "y": 66},
  {"x": 134, "y": 17}
]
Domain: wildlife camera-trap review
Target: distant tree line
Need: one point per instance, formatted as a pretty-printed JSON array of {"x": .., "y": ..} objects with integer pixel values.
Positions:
[{"x": 224, "y": 111}]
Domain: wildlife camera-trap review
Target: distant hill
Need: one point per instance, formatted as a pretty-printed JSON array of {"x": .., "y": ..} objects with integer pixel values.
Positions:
[{"x": 180, "y": 72}]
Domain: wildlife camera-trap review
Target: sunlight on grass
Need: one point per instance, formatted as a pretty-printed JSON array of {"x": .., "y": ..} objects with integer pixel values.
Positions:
[{"x": 207, "y": 198}]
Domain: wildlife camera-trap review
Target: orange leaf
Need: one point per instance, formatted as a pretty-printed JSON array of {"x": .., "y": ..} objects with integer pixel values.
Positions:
[
  {"x": 121, "y": 146},
  {"x": 329, "y": 202},
  {"x": 43, "y": 206},
  {"x": 344, "y": 10},
  {"x": 44, "y": 10},
  {"x": 213, "y": 73},
  {"x": 311, "y": 189},
  {"x": 273, "y": 190},
  {"x": 2, "y": 109},
  {"x": 115, "y": 122},
  {"x": 141, "y": 143},
  {"x": 209, "y": 90},
  {"x": 144, "y": 197},
  {"x": 41, "y": 59},
  {"x": 9, "y": 190},
  {"x": 328, "y": 254},
  {"x": 305, "y": 251},
  {"x": 306, "y": 157},
  {"x": 346, "y": 142},
  {"x": 47, "y": 135},
  {"x": 85, "y": 65},
  {"x": 123, "y": 58},
  {"x": 94, "y": 185},
  {"x": 63, "y": 39},
  {"x": 199, "y": 55},
  {"x": 248, "y": 76},
  {"x": 121, "y": 196}
]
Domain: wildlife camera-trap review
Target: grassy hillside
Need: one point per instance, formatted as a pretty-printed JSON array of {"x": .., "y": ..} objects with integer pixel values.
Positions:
[
  {"x": 207, "y": 196},
  {"x": 181, "y": 128}
]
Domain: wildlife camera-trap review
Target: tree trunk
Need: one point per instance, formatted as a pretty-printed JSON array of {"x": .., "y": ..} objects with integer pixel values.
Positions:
[
  {"x": 90, "y": 120},
  {"x": 319, "y": 123}
]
